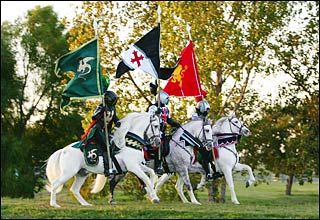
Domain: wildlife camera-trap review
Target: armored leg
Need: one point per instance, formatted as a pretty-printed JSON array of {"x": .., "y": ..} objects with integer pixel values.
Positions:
[
  {"x": 158, "y": 163},
  {"x": 105, "y": 161}
]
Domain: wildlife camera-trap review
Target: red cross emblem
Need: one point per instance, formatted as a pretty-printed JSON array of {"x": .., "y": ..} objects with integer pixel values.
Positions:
[{"x": 136, "y": 58}]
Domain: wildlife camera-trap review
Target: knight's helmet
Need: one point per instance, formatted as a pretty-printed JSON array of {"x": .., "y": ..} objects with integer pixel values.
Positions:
[
  {"x": 110, "y": 98},
  {"x": 164, "y": 98},
  {"x": 203, "y": 108}
]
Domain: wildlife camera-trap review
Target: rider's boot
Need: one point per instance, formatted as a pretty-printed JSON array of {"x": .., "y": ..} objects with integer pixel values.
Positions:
[
  {"x": 216, "y": 174},
  {"x": 158, "y": 166},
  {"x": 105, "y": 164},
  {"x": 205, "y": 166}
]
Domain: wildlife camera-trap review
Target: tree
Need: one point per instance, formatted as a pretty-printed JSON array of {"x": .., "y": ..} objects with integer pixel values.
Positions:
[
  {"x": 287, "y": 135},
  {"x": 32, "y": 97}
]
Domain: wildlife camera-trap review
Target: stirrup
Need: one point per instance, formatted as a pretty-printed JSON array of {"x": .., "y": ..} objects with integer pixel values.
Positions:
[
  {"x": 109, "y": 173},
  {"x": 217, "y": 175},
  {"x": 209, "y": 177},
  {"x": 159, "y": 171}
]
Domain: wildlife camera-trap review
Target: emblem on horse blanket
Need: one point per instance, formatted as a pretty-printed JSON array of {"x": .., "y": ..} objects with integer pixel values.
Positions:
[
  {"x": 91, "y": 154},
  {"x": 90, "y": 151}
]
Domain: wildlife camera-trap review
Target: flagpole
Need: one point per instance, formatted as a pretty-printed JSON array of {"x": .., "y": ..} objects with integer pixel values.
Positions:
[
  {"x": 95, "y": 26},
  {"x": 189, "y": 33},
  {"x": 188, "y": 30},
  {"x": 159, "y": 20},
  {"x": 158, "y": 80}
]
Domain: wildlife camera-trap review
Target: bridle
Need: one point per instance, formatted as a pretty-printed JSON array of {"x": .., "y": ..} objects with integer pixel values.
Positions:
[
  {"x": 154, "y": 139},
  {"x": 232, "y": 133},
  {"x": 231, "y": 122},
  {"x": 208, "y": 143},
  {"x": 232, "y": 137},
  {"x": 200, "y": 142}
]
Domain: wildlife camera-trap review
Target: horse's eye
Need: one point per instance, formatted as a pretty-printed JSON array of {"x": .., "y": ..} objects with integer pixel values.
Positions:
[
  {"x": 207, "y": 130},
  {"x": 156, "y": 126}
]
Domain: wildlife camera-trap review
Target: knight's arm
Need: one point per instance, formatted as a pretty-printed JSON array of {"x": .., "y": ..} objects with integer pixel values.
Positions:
[
  {"x": 98, "y": 112},
  {"x": 173, "y": 123},
  {"x": 100, "y": 136}
]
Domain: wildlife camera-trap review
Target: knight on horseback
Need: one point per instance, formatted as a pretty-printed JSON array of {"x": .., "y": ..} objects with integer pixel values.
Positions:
[
  {"x": 95, "y": 133},
  {"x": 202, "y": 110},
  {"x": 164, "y": 113}
]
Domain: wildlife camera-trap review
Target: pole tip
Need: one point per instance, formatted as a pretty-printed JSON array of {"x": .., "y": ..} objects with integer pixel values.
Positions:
[{"x": 159, "y": 10}]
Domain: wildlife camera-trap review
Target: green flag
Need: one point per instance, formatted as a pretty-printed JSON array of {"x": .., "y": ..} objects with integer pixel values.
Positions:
[{"x": 85, "y": 64}]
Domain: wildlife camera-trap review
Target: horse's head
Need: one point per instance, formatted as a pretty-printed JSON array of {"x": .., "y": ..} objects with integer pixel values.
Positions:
[
  {"x": 236, "y": 126},
  {"x": 207, "y": 134},
  {"x": 203, "y": 131},
  {"x": 152, "y": 132}
]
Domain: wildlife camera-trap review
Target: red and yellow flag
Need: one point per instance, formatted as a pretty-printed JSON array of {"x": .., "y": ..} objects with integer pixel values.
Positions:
[{"x": 185, "y": 80}]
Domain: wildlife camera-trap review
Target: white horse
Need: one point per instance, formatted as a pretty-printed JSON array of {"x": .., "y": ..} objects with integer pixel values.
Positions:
[
  {"x": 226, "y": 128},
  {"x": 69, "y": 161},
  {"x": 180, "y": 157}
]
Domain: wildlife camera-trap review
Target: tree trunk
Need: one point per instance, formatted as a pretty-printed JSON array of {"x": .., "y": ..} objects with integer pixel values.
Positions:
[
  {"x": 218, "y": 86},
  {"x": 289, "y": 184},
  {"x": 223, "y": 190},
  {"x": 213, "y": 191}
]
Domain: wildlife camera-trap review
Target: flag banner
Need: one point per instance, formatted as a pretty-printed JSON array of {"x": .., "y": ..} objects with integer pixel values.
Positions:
[
  {"x": 200, "y": 98},
  {"x": 185, "y": 79},
  {"x": 143, "y": 55},
  {"x": 85, "y": 64}
]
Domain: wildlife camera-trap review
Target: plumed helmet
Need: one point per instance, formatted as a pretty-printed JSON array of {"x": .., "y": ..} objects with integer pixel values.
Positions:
[
  {"x": 110, "y": 98},
  {"x": 203, "y": 107},
  {"x": 164, "y": 97}
]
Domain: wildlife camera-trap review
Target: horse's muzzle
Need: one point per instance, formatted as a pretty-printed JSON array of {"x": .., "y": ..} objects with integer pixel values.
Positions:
[
  {"x": 155, "y": 141},
  {"x": 246, "y": 132},
  {"x": 208, "y": 145}
]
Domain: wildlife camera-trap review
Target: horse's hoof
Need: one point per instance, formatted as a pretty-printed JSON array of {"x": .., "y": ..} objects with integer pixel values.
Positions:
[
  {"x": 112, "y": 202},
  {"x": 197, "y": 203},
  {"x": 247, "y": 184},
  {"x": 155, "y": 201},
  {"x": 55, "y": 206},
  {"x": 87, "y": 204},
  {"x": 236, "y": 203}
]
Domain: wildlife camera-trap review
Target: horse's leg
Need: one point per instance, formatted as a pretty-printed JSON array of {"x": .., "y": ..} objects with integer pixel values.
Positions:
[
  {"x": 164, "y": 178},
  {"x": 113, "y": 182},
  {"x": 68, "y": 165},
  {"x": 179, "y": 188},
  {"x": 197, "y": 168},
  {"x": 153, "y": 176},
  {"x": 228, "y": 176},
  {"x": 185, "y": 177},
  {"x": 75, "y": 189},
  {"x": 56, "y": 184},
  {"x": 136, "y": 169},
  {"x": 240, "y": 167}
]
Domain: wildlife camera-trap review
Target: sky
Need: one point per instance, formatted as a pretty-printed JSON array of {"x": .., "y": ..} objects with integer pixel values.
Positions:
[{"x": 10, "y": 10}]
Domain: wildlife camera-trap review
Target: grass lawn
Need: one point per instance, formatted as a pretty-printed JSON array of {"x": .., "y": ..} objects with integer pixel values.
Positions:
[{"x": 260, "y": 202}]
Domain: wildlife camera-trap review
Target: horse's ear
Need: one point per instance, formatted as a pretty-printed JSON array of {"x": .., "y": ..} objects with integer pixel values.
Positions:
[
  {"x": 232, "y": 114},
  {"x": 209, "y": 122}
]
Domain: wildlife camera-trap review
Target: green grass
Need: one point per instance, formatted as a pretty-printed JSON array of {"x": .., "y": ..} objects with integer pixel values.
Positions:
[{"x": 260, "y": 202}]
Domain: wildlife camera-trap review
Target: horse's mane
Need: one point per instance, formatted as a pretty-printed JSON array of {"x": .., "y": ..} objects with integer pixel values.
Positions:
[
  {"x": 220, "y": 121},
  {"x": 134, "y": 114},
  {"x": 206, "y": 122},
  {"x": 126, "y": 124}
]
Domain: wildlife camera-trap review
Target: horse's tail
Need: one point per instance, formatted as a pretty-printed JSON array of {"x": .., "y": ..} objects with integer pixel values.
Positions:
[
  {"x": 99, "y": 183},
  {"x": 53, "y": 169}
]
